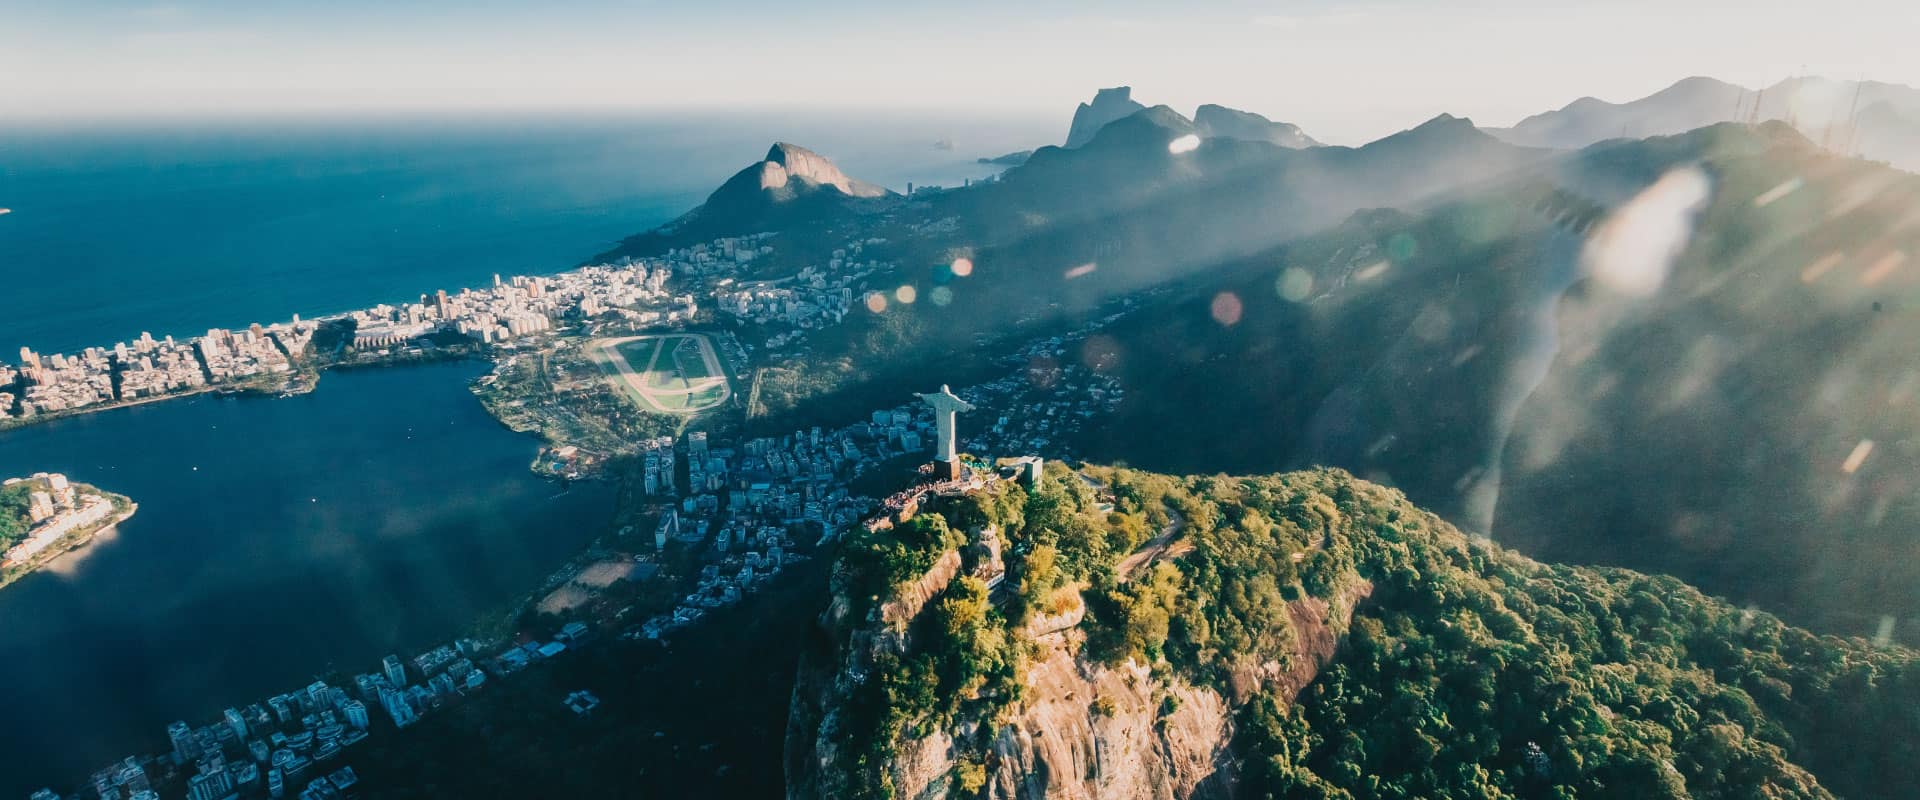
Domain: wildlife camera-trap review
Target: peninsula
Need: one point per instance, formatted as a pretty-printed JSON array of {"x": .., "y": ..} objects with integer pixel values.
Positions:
[{"x": 45, "y": 516}]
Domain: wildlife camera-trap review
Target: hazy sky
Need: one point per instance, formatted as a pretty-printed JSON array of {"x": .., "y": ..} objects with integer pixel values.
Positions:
[{"x": 1345, "y": 71}]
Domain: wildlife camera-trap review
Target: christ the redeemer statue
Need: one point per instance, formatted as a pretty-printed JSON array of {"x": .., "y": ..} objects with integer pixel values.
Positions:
[{"x": 945, "y": 458}]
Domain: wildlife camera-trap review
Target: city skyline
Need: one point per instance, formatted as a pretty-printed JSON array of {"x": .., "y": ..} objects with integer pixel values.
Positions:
[{"x": 1346, "y": 72}]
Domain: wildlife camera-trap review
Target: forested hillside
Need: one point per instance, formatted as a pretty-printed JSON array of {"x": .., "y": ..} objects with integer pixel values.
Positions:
[
  {"x": 1694, "y": 412},
  {"x": 1361, "y": 647},
  {"x": 13, "y": 514}
]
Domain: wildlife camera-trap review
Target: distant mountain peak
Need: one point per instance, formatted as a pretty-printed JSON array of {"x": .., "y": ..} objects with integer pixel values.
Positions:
[
  {"x": 1441, "y": 124},
  {"x": 1147, "y": 130},
  {"x": 1443, "y": 133},
  {"x": 785, "y": 162},
  {"x": 1820, "y": 107},
  {"x": 1165, "y": 117},
  {"x": 1209, "y": 121},
  {"x": 1108, "y": 105},
  {"x": 792, "y": 185},
  {"x": 1693, "y": 81},
  {"x": 1217, "y": 121}
]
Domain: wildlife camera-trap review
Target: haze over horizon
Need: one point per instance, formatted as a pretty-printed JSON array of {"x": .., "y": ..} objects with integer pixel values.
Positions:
[{"x": 1345, "y": 72}]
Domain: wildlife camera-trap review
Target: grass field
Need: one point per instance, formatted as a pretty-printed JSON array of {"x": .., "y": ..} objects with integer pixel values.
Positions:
[
  {"x": 670, "y": 373},
  {"x": 673, "y": 363}
]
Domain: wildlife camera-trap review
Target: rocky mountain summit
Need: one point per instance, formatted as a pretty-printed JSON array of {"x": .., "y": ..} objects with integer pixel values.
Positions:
[
  {"x": 792, "y": 187},
  {"x": 1220, "y": 121},
  {"x": 1209, "y": 121},
  {"x": 1108, "y": 105},
  {"x": 790, "y": 170}
]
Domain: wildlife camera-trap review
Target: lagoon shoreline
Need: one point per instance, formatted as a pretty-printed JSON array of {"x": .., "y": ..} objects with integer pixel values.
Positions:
[{"x": 124, "y": 509}]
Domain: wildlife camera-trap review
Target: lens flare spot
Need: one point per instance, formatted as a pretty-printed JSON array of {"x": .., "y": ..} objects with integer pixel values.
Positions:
[
  {"x": 1082, "y": 271},
  {"x": 1883, "y": 636},
  {"x": 1773, "y": 195},
  {"x": 961, "y": 267},
  {"x": 1226, "y": 308},
  {"x": 876, "y": 302},
  {"x": 1486, "y": 222},
  {"x": 906, "y": 294},
  {"x": 1632, "y": 251},
  {"x": 1184, "y": 144},
  {"x": 1815, "y": 270},
  {"x": 940, "y": 295},
  {"x": 1294, "y": 285},
  {"x": 1371, "y": 271},
  {"x": 1402, "y": 247},
  {"x": 1101, "y": 353},
  {"x": 1858, "y": 457},
  {"x": 1886, "y": 265}
]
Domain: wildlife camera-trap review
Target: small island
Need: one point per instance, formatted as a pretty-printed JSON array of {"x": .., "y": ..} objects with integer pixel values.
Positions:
[{"x": 44, "y": 516}]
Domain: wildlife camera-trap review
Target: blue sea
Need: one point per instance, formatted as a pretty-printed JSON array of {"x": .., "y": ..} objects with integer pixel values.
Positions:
[
  {"x": 175, "y": 227},
  {"x": 281, "y": 539}
]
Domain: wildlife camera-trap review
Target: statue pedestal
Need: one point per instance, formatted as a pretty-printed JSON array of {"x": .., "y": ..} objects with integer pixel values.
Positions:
[{"x": 946, "y": 470}]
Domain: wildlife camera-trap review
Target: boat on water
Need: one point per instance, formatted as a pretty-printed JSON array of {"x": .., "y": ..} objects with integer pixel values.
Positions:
[{"x": 5, "y": 211}]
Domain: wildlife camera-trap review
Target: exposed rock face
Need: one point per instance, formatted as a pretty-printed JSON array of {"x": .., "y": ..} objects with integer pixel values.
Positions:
[
  {"x": 1091, "y": 731},
  {"x": 787, "y": 162},
  {"x": 1081, "y": 731},
  {"x": 792, "y": 186},
  {"x": 900, "y": 610},
  {"x": 1108, "y": 105},
  {"x": 1212, "y": 121}
]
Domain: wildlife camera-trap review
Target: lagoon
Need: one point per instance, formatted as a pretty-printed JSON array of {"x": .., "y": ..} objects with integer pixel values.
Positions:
[{"x": 278, "y": 539}]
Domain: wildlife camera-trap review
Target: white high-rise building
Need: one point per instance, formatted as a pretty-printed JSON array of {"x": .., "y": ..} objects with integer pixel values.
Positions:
[
  {"x": 397, "y": 707},
  {"x": 237, "y": 723},
  {"x": 184, "y": 747}
]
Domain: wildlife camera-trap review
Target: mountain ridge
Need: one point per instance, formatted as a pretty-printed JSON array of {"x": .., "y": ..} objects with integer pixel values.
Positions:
[
  {"x": 1819, "y": 107},
  {"x": 1106, "y": 106},
  {"x": 1306, "y": 634},
  {"x": 1209, "y": 120},
  {"x": 1212, "y": 120},
  {"x": 789, "y": 188}
]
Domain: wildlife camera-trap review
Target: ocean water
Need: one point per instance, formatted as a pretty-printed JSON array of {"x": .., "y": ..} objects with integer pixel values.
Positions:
[
  {"x": 176, "y": 227},
  {"x": 280, "y": 539}
]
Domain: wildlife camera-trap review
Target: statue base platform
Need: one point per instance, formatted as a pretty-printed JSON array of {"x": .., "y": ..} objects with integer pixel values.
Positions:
[{"x": 946, "y": 470}]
